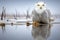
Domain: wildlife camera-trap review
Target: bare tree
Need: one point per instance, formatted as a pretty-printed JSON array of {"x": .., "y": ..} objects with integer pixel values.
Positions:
[{"x": 3, "y": 15}]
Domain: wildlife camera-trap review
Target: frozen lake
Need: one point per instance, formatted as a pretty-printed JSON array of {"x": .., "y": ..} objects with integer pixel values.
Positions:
[{"x": 22, "y": 32}]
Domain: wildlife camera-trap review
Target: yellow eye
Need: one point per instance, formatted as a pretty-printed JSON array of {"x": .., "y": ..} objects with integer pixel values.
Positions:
[
  {"x": 43, "y": 5},
  {"x": 38, "y": 5}
]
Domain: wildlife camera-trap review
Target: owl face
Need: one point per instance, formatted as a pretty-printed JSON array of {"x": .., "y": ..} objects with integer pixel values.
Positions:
[{"x": 40, "y": 7}]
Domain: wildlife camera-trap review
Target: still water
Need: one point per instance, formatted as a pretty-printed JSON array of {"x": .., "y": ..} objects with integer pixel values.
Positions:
[{"x": 22, "y": 32}]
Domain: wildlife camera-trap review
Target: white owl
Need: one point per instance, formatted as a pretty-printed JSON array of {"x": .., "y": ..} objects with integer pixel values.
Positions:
[{"x": 41, "y": 13}]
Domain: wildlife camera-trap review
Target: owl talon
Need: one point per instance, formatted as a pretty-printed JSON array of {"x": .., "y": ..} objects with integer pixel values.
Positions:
[{"x": 35, "y": 24}]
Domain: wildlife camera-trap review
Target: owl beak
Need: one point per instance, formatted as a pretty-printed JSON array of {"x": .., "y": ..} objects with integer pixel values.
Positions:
[{"x": 40, "y": 7}]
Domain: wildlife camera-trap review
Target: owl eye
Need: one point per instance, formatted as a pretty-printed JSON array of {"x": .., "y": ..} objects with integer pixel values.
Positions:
[
  {"x": 43, "y": 5},
  {"x": 38, "y": 5}
]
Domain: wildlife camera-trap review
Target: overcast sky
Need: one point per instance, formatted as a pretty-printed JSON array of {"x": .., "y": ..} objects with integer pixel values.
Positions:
[{"x": 22, "y": 5}]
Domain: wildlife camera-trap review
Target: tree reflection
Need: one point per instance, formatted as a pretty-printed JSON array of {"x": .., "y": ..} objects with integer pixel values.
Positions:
[{"x": 2, "y": 27}]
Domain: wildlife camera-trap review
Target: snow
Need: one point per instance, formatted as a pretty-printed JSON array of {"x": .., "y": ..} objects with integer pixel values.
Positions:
[{"x": 22, "y": 20}]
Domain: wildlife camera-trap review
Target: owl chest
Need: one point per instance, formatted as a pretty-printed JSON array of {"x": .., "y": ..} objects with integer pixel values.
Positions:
[{"x": 42, "y": 15}]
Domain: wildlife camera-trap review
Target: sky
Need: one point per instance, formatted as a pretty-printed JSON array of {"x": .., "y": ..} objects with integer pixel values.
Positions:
[{"x": 21, "y": 6}]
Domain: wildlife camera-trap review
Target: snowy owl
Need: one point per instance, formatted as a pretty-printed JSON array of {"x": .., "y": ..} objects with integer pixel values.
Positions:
[{"x": 41, "y": 13}]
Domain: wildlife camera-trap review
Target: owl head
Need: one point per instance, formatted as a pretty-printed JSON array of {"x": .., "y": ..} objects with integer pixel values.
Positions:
[{"x": 40, "y": 6}]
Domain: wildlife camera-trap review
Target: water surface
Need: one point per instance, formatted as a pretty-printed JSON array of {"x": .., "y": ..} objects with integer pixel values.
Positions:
[{"x": 22, "y": 32}]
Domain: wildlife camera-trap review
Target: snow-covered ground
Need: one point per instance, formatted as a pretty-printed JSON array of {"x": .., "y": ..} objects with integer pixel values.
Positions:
[{"x": 21, "y": 20}]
